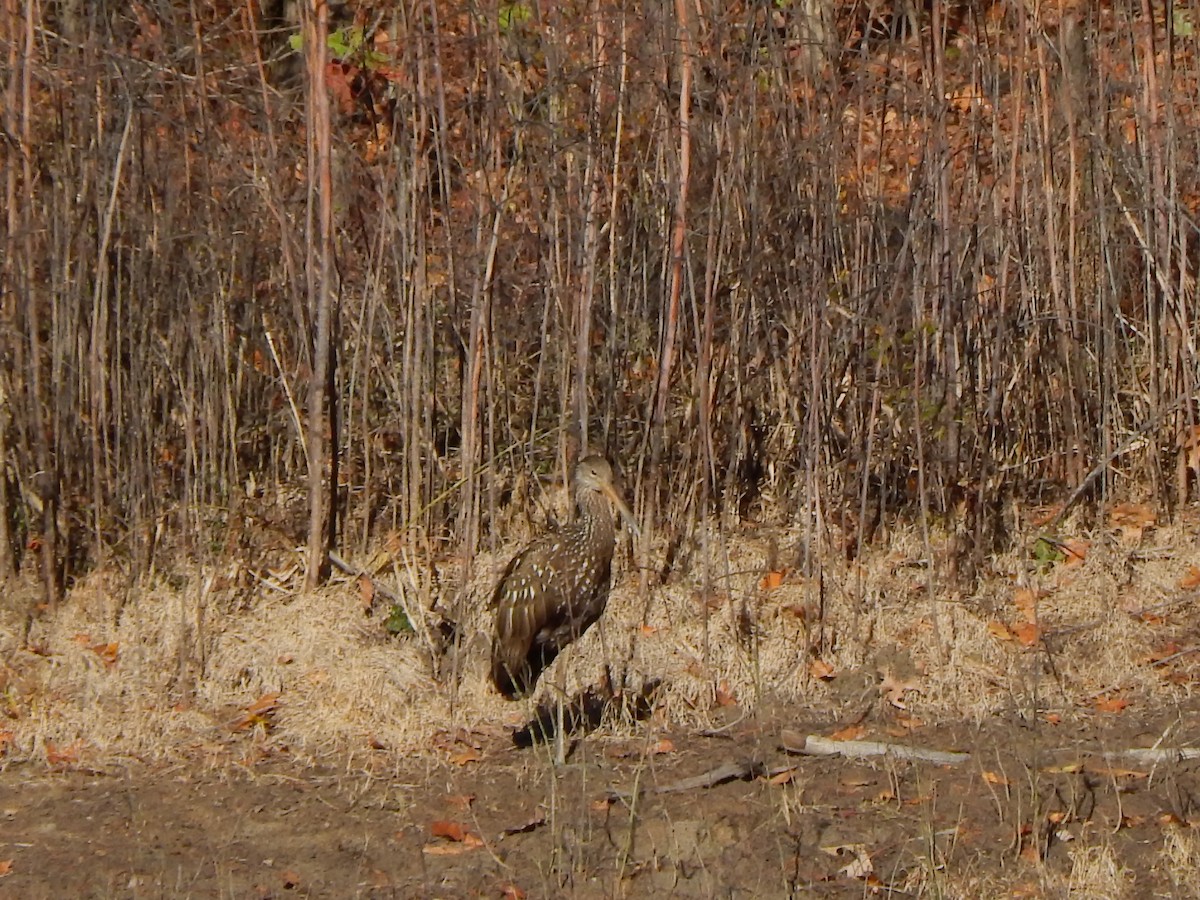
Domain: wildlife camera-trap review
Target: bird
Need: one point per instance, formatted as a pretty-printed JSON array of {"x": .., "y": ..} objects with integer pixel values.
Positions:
[{"x": 557, "y": 587}]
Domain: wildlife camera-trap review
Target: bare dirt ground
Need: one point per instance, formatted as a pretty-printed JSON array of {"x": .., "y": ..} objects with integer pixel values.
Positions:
[
  {"x": 201, "y": 739},
  {"x": 1037, "y": 811}
]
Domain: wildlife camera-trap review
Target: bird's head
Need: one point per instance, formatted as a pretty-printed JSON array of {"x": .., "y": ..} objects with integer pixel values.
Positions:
[{"x": 594, "y": 475}]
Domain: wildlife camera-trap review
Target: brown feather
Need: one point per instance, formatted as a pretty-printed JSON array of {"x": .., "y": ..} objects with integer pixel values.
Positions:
[{"x": 557, "y": 587}]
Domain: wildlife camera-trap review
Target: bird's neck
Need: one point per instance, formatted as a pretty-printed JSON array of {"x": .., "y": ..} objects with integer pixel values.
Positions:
[{"x": 595, "y": 517}]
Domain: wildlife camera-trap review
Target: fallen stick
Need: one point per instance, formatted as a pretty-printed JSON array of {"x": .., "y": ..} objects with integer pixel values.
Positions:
[
  {"x": 1155, "y": 754},
  {"x": 733, "y": 771},
  {"x": 815, "y": 745}
]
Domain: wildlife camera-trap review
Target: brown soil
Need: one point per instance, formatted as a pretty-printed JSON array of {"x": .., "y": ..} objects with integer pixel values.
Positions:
[{"x": 1037, "y": 811}]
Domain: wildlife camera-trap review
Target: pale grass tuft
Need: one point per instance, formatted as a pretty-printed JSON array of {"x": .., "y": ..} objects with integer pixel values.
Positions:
[
  {"x": 1096, "y": 874},
  {"x": 1179, "y": 858}
]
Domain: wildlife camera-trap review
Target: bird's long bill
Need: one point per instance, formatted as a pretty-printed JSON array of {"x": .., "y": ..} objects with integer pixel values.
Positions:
[{"x": 625, "y": 511}]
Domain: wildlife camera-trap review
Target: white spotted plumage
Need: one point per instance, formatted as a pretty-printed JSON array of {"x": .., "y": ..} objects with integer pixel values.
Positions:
[{"x": 557, "y": 587}]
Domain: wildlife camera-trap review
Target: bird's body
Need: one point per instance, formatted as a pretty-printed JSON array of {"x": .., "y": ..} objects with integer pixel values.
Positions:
[{"x": 557, "y": 587}]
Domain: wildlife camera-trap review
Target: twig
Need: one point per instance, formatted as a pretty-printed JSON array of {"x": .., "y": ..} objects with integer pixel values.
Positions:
[
  {"x": 733, "y": 771},
  {"x": 815, "y": 745},
  {"x": 358, "y": 572},
  {"x": 1155, "y": 754}
]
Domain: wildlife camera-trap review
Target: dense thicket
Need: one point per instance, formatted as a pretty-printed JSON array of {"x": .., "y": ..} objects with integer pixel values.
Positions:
[{"x": 934, "y": 260}]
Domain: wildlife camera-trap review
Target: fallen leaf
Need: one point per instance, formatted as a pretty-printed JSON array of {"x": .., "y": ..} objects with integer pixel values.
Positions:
[
  {"x": 648, "y": 630},
  {"x": 1076, "y": 551},
  {"x": 1044, "y": 515},
  {"x": 1190, "y": 579},
  {"x": 797, "y": 610},
  {"x": 1053, "y": 718},
  {"x": 820, "y": 670},
  {"x": 1111, "y": 704},
  {"x": 602, "y": 804},
  {"x": 1132, "y": 514},
  {"x": 257, "y": 713},
  {"x": 1030, "y": 854},
  {"x": 782, "y": 777},
  {"x": 894, "y": 688},
  {"x": 62, "y": 756},
  {"x": 724, "y": 695},
  {"x": 6, "y": 866},
  {"x": 465, "y": 755},
  {"x": 849, "y": 733},
  {"x": 666, "y": 745},
  {"x": 106, "y": 652},
  {"x": 1026, "y": 600},
  {"x": 366, "y": 592},
  {"x": 512, "y": 892},
  {"x": 290, "y": 879},
  {"x": 992, "y": 778},
  {"x": 1166, "y": 651},
  {"x": 1027, "y": 633},
  {"x": 1117, "y": 772},
  {"x": 1000, "y": 631},
  {"x": 861, "y": 867},
  {"x": 451, "y": 849},
  {"x": 448, "y": 829},
  {"x": 1067, "y": 768},
  {"x": 533, "y": 824},
  {"x": 771, "y": 580}
]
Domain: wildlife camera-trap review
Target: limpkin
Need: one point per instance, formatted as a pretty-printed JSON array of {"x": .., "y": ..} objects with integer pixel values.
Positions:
[{"x": 557, "y": 587}]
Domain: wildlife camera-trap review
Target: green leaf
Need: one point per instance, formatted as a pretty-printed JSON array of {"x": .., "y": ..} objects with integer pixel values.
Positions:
[
  {"x": 397, "y": 621},
  {"x": 513, "y": 14},
  {"x": 1046, "y": 552}
]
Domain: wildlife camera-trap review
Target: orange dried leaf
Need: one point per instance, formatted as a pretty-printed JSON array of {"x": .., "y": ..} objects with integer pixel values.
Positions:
[
  {"x": 648, "y": 630},
  {"x": 771, "y": 580},
  {"x": 666, "y": 745},
  {"x": 465, "y": 755},
  {"x": 106, "y": 652},
  {"x": 1000, "y": 631},
  {"x": 1111, "y": 704},
  {"x": 62, "y": 756},
  {"x": 1190, "y": 579},
  {"x": 290, "y": 879},
  {"x": 366, "y": 591},
  {"x": 257, "y": 713},
  {"x": 1075, "y": 550},
  {"x": 820, "y": 669},
  {"x": 992, "y": 778},
  {"x": 724, "y": 695},
  {"x": 450, "y": 830},
  {"x": 849, "y": 733},
  {"x": 1053, "y": 718},
  {"x": 1026, "y": 599},
  {"x": 1027, "y": 633},
  {"x": 5, "y": 867},
  {"x": 512, "y": 892},
  {"x": 1131, "y": 515},
  {"x": 782, "y": 777}
]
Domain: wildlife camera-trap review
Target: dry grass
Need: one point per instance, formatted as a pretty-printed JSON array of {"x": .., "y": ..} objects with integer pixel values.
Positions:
[{"x": 185, "y": 664}]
